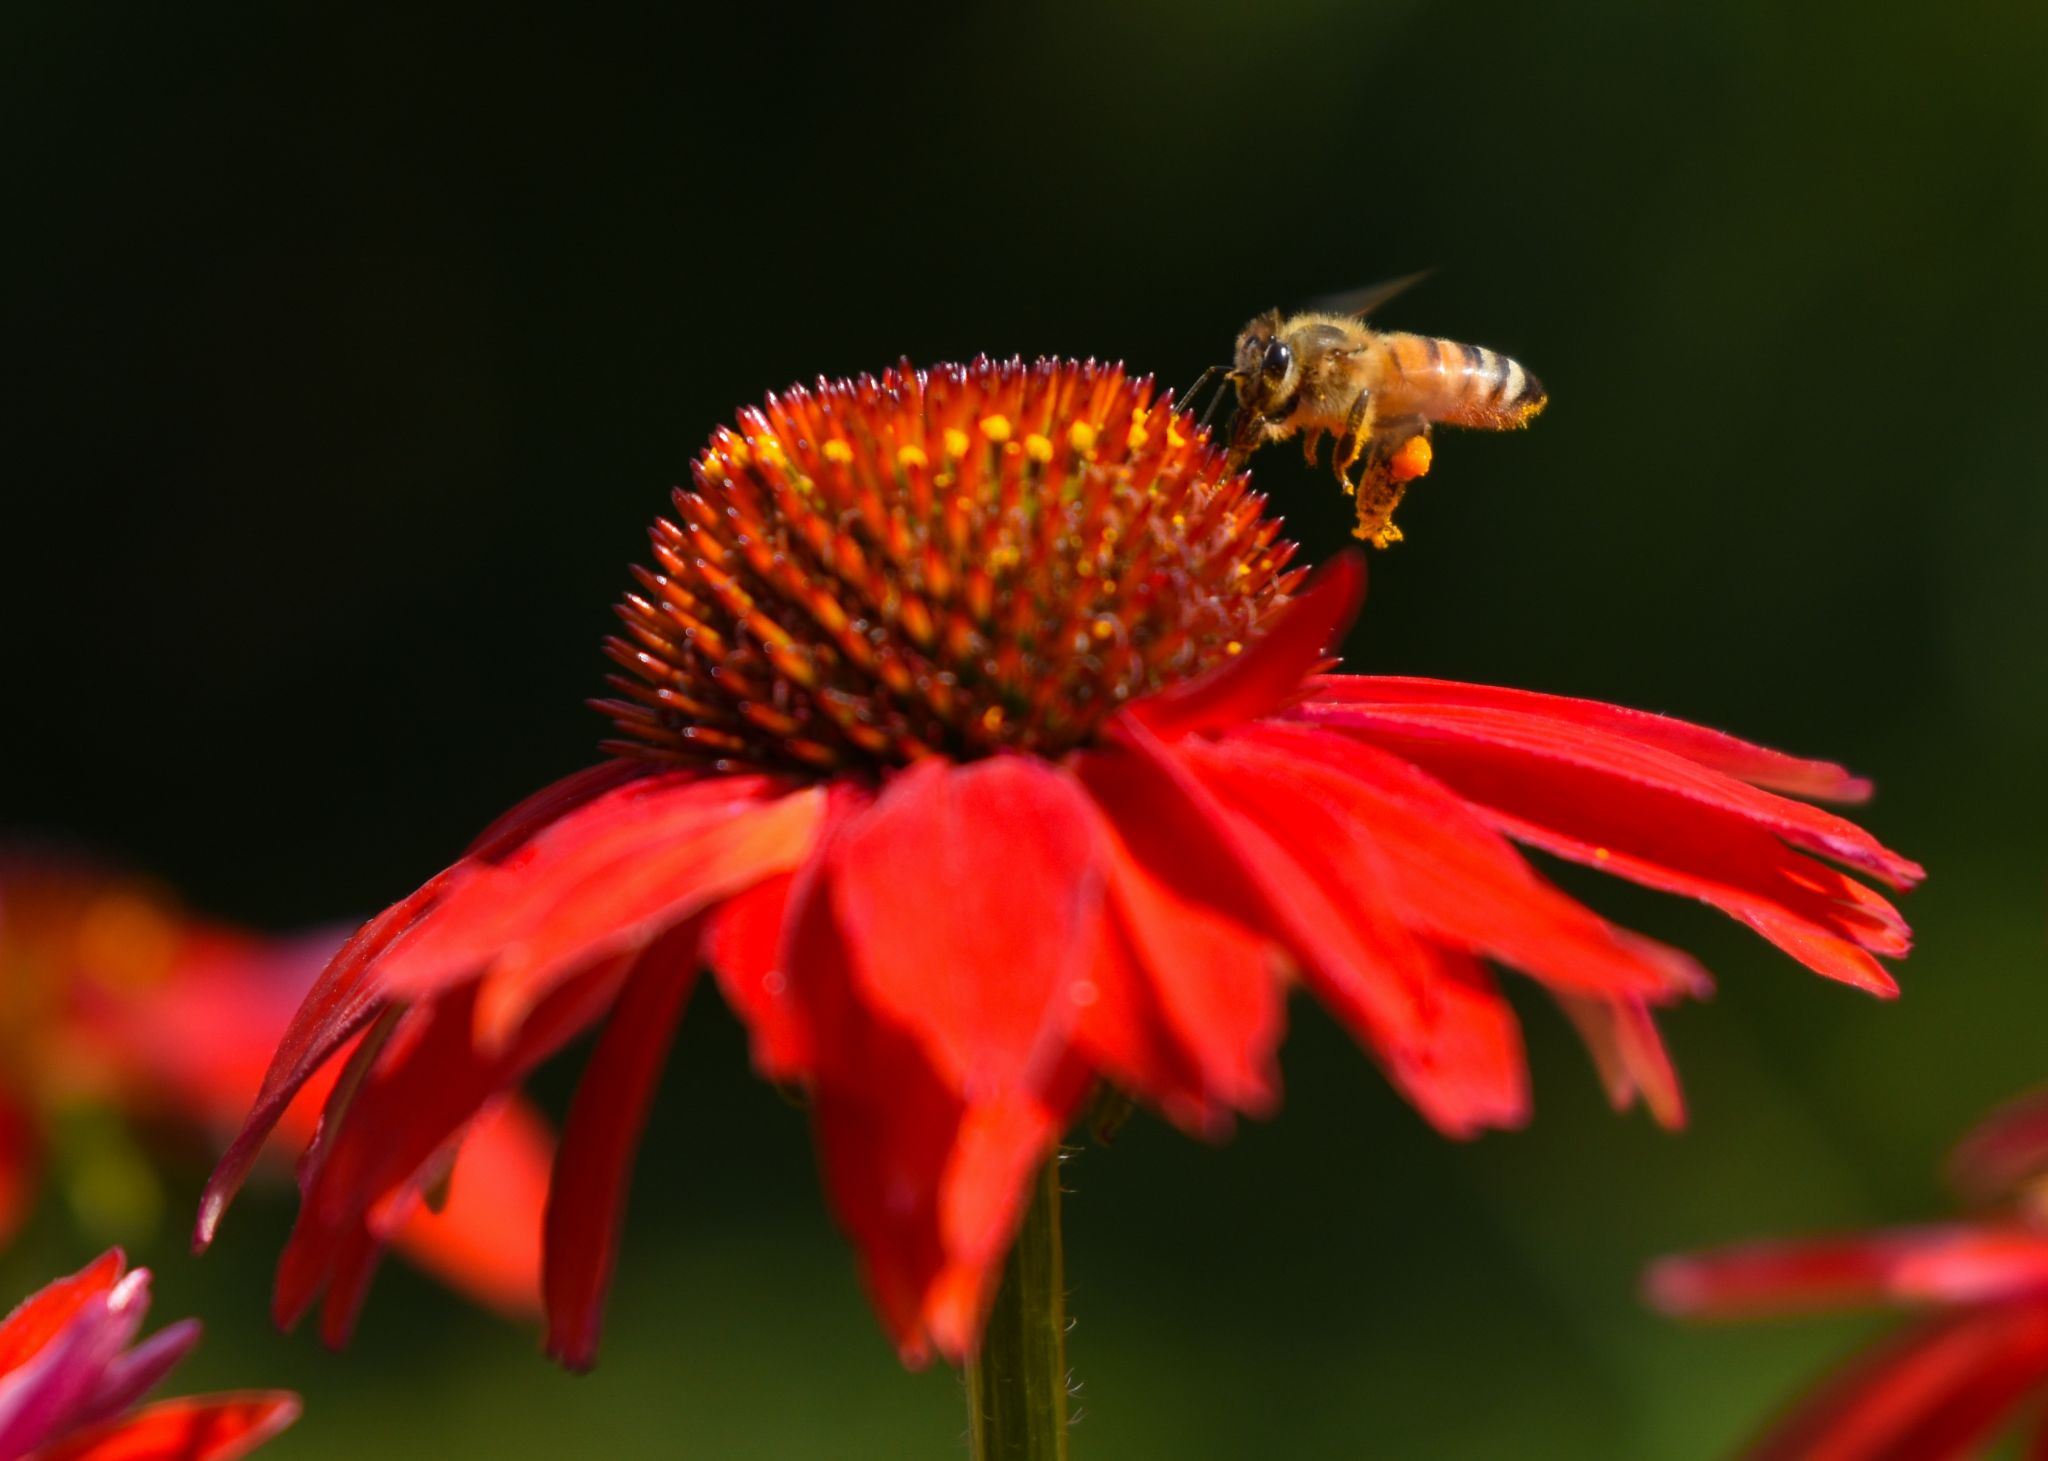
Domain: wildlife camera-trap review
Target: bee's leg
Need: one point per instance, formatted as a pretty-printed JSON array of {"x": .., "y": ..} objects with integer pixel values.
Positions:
[
  {"x": 1351, "y": 444},
  {"x": 1397, "y": 455},
  {"x": 1378, "y": 495},
  {"x": 1311, "y": 443}
]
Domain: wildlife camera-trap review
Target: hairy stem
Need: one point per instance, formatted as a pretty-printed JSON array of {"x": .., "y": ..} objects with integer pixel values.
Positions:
[{"x": 1017, "y": 1384}]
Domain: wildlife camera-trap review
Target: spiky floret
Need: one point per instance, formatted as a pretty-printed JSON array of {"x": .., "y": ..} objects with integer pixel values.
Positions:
[{"x": 945, "y": 562}]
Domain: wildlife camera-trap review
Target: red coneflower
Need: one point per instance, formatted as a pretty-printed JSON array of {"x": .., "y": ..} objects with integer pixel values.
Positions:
[
  {"x": 115, "y": 999},
  {"x": 973, "y": 733},
  {"x": 69, "y": 1380},
  {"x": 1950, "y": 1379}
]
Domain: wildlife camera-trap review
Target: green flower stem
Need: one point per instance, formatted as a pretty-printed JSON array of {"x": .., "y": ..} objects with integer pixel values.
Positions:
[{"x": 1017, "y": 1385}]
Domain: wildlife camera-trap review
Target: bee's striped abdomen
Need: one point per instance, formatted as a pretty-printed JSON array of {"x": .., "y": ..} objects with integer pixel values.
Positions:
[{"x": 1460, "y": 385}]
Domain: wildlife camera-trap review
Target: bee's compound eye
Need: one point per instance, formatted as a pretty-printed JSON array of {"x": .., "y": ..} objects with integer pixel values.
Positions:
[{"x": 1278, "y": 359}]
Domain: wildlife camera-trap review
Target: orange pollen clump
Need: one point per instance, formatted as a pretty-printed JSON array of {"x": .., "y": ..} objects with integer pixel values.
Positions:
[{"x": 946, "y": 562}]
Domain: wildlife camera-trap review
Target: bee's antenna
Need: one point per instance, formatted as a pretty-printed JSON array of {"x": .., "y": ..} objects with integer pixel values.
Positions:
[
  {"x": 1214, "y": 401},
  {"x": 1188, "y": 398}
]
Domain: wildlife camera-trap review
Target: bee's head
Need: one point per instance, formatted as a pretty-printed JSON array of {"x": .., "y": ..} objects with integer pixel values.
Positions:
[{"x": 1263, "y": 368}]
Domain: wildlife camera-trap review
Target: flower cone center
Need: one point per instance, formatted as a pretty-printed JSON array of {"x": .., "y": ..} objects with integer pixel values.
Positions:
[{"x": 949, "y": 562}]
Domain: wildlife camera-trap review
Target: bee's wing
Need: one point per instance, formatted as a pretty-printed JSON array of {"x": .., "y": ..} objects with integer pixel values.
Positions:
[{"x": 1362, "y": 302}]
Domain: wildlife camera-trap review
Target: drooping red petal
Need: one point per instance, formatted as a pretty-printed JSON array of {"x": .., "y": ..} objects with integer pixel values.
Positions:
[
  {"x": 205, "y": 1428},
  {"x": 1212, "y": 982},
  {"x": 586, "y": 1203},
  {"x": 1629, "y": 1054},
  {"x": 1469, "y": 1074},
  {"x": 485, "y": 1239},
  {"x": 552, "y": 802},
  {"x": 746, "y": 943},
  {"x": 970, "y": 898},
  {"x": 1744, "y": 760},
  {"x": 1930, "y": 1393},
  {"x": 1956, "y": 1263},
  {"x": 603, "y": 879},
  {"x": 929, "y": 1185},
  {"x": 1393, "y": 989},
  {"x": 341, "y": 1003},
  {"x": 1625, "y": 816},
  {"x": 1271, "y": 673},
  {"x": 2005, "y": 1149},
  {"x": 1452, "y": 878},
  {"x": 419, "y": 1092},
  {"x": 1123, "y": 1033},
  {"x": 1476, "y": 739}
]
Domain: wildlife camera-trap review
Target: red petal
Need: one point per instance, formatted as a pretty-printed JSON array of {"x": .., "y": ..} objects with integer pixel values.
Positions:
[
  {"x": 743, "y": 946},
  {"x": 1273, "y": 671},
  {"x": 45, "y": 1313},
  {"x": 1452, "y": 878},
  {"x": 746, "y": 944},
  {"x": 1469, "y": 1074},
  {"x": 586, "y": 1204},
  {"x": 1603, "y": 807},
  {"x": 928, "y": 1186},
  {"x": 1948, "y": 1263},
  {"x": 419, "y": 1092},
  {"x": 2007, "y": 1148},
  {"x": 1629, "y": 1054},
  {"x": 352, "y": 989},
  {"x": 552, "y": 802},
  {"x": 602, "y": 880},
  {"x": 1122, "y": 1032},
  {"x": 1212, "y": 982},
  {"x": 209, "y": 1428},
  {"x": 1758, "y": 765},
  {"x": 1191, "y": 986},
  {"x": 883, "y": 1154},
  {"x": 341, "y": 1003},
  {"x": 485, "y": 1240},
  {"x": 970, "y": 899},
  {"x": 1477, "y": 737},
  {"x": 1930, "y": 1393},
  {"x": 1441, "y": 1037}
]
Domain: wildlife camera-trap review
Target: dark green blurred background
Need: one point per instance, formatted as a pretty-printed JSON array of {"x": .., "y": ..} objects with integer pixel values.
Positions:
[{"x": 348, "y": 354}]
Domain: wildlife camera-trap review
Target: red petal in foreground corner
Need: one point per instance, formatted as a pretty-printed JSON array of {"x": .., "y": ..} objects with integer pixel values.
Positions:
[
  {"x": 70, "y": 1371},
  {"x": 217, "y": 1428}
]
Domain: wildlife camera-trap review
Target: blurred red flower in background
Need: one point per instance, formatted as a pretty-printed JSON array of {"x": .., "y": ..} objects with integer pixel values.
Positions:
[
  {"x": 974, "y": 735},
  {"x": 69, "y": 1380},
  {"x": 115, "y": 1002},
  {"x": 1947, "y": 1381}
]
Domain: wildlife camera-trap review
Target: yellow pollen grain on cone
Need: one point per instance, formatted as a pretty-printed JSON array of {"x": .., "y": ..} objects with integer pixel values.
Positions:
[
  {"x": 1233, "y": 647},
  {"x": 1081, "y": 436},
  {"x": 995, "y": 427},
  {"x": 1038, "y": 448},
  {"x": 912, "y": 456},
  {"x": 838, "y": 451},
  {"x": 769, "y": 450},
  {"x": 1174, "y": 439},
  {"x": 956, "y": 442},
  {"x": 1139, "y": 436},
  {"x": 992, "y": 718}
]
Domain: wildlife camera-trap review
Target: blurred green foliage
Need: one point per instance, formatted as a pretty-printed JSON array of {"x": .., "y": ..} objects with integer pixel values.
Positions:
[{"x": 351, "y": 350}]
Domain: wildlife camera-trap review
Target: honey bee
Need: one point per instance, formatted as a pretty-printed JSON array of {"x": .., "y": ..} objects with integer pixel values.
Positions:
[{"x": 1377, "y": 393}]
